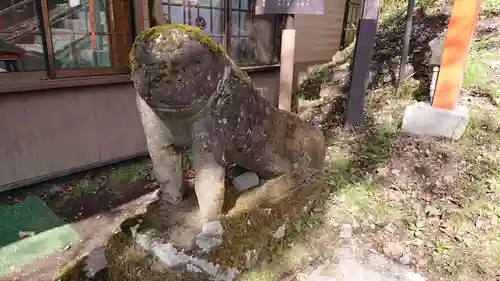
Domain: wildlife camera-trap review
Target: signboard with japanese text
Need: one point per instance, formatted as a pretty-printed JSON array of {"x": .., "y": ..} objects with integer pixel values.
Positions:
[{"x": 294, "y": 7}]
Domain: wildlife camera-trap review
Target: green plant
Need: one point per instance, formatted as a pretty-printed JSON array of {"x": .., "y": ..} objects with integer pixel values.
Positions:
[{"x": 490, "y": 6}]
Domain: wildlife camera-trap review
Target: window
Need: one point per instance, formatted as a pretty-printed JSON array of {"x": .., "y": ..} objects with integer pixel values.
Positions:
[
  {"x": 51, "y": 39},
  {"x": 251, "y": 40}
]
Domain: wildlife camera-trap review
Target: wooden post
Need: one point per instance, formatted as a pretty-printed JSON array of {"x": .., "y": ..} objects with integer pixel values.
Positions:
[
  {"x": 289, "y": 8},
  {"x": 363, "y": 52},
  {"x": 463, "y": 20},
  {"x": 287, "y": 64}
]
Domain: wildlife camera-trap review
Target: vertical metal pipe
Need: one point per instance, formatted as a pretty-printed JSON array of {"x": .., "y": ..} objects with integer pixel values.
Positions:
[
  {"x": 406, "y": 43},
  {"x": 363, "y": 52}
]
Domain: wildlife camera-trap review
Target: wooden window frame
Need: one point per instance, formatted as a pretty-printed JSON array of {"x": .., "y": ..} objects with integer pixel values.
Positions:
[
  {"x": 227, "y": 36},
  {"x": 120, "y": 24}
]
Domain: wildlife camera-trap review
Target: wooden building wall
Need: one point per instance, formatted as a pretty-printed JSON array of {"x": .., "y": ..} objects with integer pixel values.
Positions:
[
  {"x": 319, "y": 37},
  {"x": 49, "y": 133}
]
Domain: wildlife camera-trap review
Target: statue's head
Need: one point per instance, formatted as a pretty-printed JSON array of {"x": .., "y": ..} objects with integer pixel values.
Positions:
[{"x": 177, "y": 65}]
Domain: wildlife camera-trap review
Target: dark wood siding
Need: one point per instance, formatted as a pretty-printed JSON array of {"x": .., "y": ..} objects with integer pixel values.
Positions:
[{"x": 47, "y": 133}]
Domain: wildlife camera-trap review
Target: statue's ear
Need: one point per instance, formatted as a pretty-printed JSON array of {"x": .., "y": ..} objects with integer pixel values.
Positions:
[{"x": 156, "y": 12}]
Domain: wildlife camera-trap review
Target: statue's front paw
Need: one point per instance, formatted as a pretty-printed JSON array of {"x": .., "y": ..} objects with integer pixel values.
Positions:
[{"x": 210, "y": 236}]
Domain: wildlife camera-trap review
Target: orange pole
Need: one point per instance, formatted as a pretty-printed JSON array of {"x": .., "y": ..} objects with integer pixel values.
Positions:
[
  {"x": 93, "y": 31},
  {"x": 463, "y": 20}
]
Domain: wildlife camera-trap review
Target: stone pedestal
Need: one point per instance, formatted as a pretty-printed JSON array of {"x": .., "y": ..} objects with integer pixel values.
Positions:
[{"x": 423, "y": 119}]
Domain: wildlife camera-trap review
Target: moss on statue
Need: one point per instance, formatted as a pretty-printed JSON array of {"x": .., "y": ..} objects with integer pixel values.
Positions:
[
  {"x": 193, "y": 32},
  {"x": 127, "y": 262},
  {"x": 253, "y": 222},
  {"x": 248, "y": 227}
]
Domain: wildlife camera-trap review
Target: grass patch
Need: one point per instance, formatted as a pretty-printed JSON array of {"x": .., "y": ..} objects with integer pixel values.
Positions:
[
  {"x": 490, "y": 6},
  {"x": 477, "y": 77},
  {"x": 130, "y": 173},
  {"x": 83, "y": 187}
]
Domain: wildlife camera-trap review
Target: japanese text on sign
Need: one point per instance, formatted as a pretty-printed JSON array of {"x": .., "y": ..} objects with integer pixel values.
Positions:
[{"x": 315, "y": 7}]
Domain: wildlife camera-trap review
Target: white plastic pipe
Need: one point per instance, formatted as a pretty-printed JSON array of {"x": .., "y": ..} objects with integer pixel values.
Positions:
[{"x": 435, "y": 72}]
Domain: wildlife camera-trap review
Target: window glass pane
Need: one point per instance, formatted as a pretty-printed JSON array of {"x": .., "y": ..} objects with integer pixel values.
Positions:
[
  {"x": 235, "y": 4},
  {"x": 243, "y": 51},
  {"x": 103, "y": 53},
  {"x": 77, "y": 31},
  {"x": 192, "y": 14},
  {"x": 257, "y": 47},
  {"x": 217, "y": 22},
  {"x": 245, "y": 23},
  {"x": 244, "y": 4},
  {"x": 177, "y": 14},
  {"x": 21, "y": 37},
  {"x": 235, "y": 23},
  {"x": 217, "y": 4},
  {"x": 199, "y": 13},
  {"x": 205, "y": 15}
]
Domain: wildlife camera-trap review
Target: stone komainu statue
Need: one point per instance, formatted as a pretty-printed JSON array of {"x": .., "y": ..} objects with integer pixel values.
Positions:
[{"x": 191, "y": 94}]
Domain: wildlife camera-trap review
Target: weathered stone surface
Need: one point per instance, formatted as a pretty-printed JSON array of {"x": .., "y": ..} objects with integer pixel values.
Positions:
[
  {"x": 210, "y": 236},
  {"x": 246, "y": 181},
  {"x": 280, "y": 232},
  {"x": 95, "y": 262},
  {"x": 423, "y": 119},
  {"x": 346, "y": 231},
  {"x": 204, "y": 101}
]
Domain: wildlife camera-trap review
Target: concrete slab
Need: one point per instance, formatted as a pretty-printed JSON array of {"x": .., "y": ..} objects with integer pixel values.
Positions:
[
  {"x": 423, "y": 119},
  {"x": 356, "y": 263}
]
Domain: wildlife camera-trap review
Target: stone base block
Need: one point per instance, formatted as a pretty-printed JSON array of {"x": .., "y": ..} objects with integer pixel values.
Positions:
[{"x": 423, "y": 119}]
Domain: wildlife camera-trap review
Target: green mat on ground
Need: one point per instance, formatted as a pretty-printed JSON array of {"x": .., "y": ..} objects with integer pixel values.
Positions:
[{"x": 32, "y": 215}]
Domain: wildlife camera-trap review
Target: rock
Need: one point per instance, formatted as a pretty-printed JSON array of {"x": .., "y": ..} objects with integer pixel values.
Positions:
[
  {"x": 207, "y": 243},
  {"x": 210, "y": 236},
  {"x": 280, "y": 232},
  {"x": 246, "y": 181},
  {"x": 494, "y": 220},
  {"x": 346, "y": 231},
  {"x": 394, "y": 250},
  {"x": 56, "y": 189},
  {"x": 323, "y": 273},
  {"x": 355, "y": 263},
  {"x": 212, "y": 228},
  {"x": 170, "y": 257},
  {"x": 405, "y": 259},
  {"x": 495, "y": 64},
  {"x": 252, "y": 257},
  {"x": 95, "y": 261}
]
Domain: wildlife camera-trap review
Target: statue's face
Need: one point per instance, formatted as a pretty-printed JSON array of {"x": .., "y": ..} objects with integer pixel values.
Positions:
[{"x": 182, "y": 72}]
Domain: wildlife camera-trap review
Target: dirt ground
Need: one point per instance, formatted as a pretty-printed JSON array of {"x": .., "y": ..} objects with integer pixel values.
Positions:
[{"x": 94, "y": 203}]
